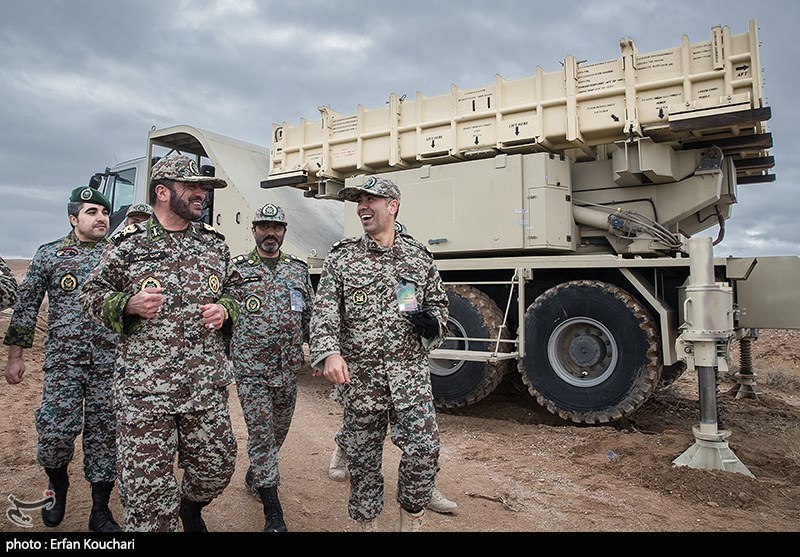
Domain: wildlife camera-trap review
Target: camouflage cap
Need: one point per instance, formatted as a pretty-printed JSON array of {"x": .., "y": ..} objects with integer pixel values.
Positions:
[
  {"x": 85, "y": 194},
  {"x": 184, "y": 169},
  {"x": 139, "y": 209},
  {"x": 373, "y": 186},
  {"x": 270, "y": 213}
]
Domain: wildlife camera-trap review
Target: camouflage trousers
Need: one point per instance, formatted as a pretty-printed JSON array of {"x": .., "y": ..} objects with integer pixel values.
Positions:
[
  {"x": 146, "y": 446},
  {"x": 75, "y": 400},
  {"x": 415, "y": 432},
  {"x": 268, "y": 414}
]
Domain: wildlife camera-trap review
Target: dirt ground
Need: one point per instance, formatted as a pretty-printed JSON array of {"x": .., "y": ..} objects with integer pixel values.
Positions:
[{"x": 510, "y": 465}]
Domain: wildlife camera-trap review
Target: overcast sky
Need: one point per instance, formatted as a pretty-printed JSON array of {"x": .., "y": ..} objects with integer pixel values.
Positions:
[{"x": 82, "y": 81}]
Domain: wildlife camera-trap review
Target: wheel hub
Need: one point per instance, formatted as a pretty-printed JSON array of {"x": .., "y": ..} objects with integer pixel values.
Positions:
[
  {"x": 587, "y": 350},
  {"x": 582, "y": 352}
]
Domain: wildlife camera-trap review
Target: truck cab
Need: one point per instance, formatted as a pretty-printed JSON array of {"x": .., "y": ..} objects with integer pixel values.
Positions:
[
  {"x": 313, "y": 227},
  {"x": 123, "y": 184}
]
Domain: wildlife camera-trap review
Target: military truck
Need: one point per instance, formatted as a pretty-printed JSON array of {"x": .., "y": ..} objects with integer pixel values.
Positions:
[
  {"x": 563, "y": 210},
  {"x": 313, "y": 227}
]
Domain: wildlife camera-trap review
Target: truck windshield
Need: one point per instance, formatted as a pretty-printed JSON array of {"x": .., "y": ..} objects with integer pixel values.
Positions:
[{"x": 118, "y": 188}]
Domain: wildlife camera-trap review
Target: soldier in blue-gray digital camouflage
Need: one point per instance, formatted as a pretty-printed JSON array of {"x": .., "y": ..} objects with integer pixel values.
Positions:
[
  {"x": 267, "y": 350},
  {"x": 8, "y": 286},
  {"x": 169, "y": 288},
  {"x": 78, "y": 362},
  {"x": 380, "y": 307}
]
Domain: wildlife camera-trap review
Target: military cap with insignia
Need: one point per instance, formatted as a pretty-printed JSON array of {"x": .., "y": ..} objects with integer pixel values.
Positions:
[
  {"x": 85, "y": 194},
  {"x": 181, "y": 168},
  {"x": 139, "y": 209},
  {"x": 270, "y": 213},
  {"x": 372, "y": 186}
]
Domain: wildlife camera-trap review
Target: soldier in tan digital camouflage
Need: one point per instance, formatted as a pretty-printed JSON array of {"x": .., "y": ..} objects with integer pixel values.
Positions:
[
  {"x": 138, "y": 212},
  {"x": 337, "y": 469},
  {"x": 8, "y": 286},
  {"x": 78, "y": 364},
  {"x": 380, "y": 307},
  {"x": 168, "y": 286},
  {"x": 267, "y": 351}
]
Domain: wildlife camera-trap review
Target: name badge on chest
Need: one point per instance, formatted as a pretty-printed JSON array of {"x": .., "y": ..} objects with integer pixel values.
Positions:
[
  {"x": 296, "y": 300},
  {"x": 406, "y": 294}
]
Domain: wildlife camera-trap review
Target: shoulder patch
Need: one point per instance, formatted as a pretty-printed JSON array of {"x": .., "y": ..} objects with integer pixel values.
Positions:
[{"x": 127, "y": 232}]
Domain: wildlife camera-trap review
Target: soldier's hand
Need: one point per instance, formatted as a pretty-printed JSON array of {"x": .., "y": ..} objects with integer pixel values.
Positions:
[
  {"x": 426, "y": 325},
  {"x": 214, "y": 315},
  {"x": 146, "y": 303},
  {"x": 335, "y": 370},
  {"x": 15, "y": 369}
]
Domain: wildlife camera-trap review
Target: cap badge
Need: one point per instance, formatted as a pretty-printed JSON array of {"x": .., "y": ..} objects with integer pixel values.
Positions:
[
  {"x": 270, "y": 210},
  {"x": 369, "y": 183},
  {"x": 86, "y": 194},
  {"x": 193, "y": 167}
]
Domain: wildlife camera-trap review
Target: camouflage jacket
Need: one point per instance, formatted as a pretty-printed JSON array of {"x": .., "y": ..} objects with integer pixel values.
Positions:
[
  {"x": 356, "y": 313},
  {"x": 170, "y": 363},
  {"x": 8, "y": 286},
  {"x": 274, "y": 318},
  {"x": 60, "y": 270}
]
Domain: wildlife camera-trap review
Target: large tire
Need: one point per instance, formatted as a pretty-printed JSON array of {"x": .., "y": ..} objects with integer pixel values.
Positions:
[
  {"x": 670, "y": 374},
  {"x": 457, "y": 383},
  {"x": 591, "y": 352}
]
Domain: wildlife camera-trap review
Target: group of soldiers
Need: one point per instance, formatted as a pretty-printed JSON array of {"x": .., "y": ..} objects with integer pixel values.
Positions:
[{"x": 148, "y": 328}]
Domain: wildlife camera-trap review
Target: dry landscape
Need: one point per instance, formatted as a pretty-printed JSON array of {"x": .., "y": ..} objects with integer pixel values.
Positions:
[{"x": 510, "y": 465}]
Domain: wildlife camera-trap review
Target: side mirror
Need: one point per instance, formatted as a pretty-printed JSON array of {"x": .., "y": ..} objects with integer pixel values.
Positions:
[{"x": 95, "y": 181}]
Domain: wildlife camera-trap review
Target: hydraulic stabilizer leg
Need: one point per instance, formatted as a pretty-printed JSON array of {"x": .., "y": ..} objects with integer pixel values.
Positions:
[{"x": 708, "y": 311}]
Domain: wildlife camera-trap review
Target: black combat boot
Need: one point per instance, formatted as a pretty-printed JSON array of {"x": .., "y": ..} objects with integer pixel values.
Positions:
[
  {"x": 191, "y": 515},
  {"x": 101, "y": 519},
  {"x": 59, "y": 483},
  {"x": 272, "y": 509}
]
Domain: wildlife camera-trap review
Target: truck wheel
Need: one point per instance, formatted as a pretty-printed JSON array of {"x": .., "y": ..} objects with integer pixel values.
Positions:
[
  {"x": 670, "y": 374},
  {"x": 591, "y": 352},
  {"x": 456, "y": 383}
]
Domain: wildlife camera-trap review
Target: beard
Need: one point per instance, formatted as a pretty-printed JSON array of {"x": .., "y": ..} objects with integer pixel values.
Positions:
[{"x": 183, "y": 209}]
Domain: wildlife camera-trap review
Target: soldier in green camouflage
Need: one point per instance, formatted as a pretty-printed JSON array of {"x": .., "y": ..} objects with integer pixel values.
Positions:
[
  {"x": 8, "y": 286},
  {"x": 78, "y": 362},
  {"x": 168, "y": 286},
  {"x": 380, "y": 307},
  {"x": 267, "y": 351}
]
